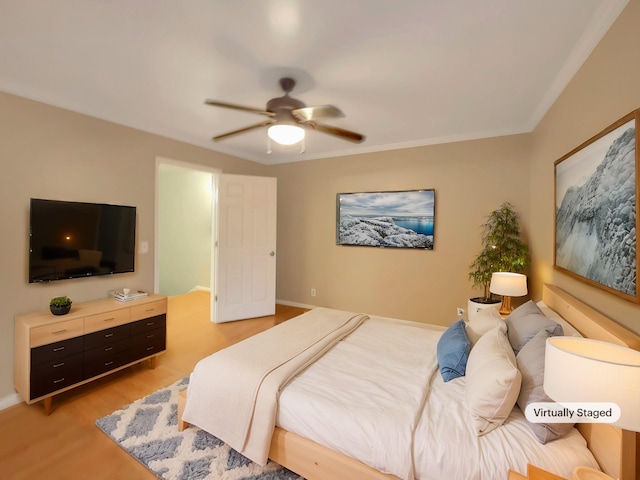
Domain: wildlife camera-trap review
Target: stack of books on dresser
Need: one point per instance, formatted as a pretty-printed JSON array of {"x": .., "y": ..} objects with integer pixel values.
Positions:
[{"x": 127, "y": 297}]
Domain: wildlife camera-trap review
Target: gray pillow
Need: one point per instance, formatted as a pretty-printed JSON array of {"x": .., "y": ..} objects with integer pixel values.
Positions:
[
  {"x": 527, "y": 320},
  {"x": 531, "y": 365}
]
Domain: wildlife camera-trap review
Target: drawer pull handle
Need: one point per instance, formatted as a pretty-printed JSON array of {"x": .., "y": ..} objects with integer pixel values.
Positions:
[
  {"x": 59, "y": 380},
  {"x": 107, "y": 335},
  {"x": 149, "y": 309},
  {"x": 150, "y": 348},
  {"x": 58, "y": 365},
  {"x": 58, "y": 332},
  {"x": 108, "y": 349},
  {"x": 150, "y": 336},
  {"x": 109, "y": 319},
  {"x": 108, "y": 363},
  {"x": 57, "y": 349}
]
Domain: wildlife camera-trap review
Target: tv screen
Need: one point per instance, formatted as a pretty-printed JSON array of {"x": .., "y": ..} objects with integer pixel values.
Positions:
[{"x": 76, "y": 239}]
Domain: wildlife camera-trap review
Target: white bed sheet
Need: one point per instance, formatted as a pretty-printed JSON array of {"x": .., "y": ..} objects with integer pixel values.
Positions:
[
  {"x": 363, "y": 397},
  {"x": 378, "y": 397}
]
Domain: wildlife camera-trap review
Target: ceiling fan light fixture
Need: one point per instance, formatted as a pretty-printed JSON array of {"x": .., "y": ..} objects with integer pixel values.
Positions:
[{"x": 285, "y": 134}]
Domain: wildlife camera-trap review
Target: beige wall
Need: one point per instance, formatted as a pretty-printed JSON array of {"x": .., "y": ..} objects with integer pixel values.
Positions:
[
  {"x": 470, "y": 179},
  {"x": 604, "y": 90},
  {"x": 48, "y": 152}
]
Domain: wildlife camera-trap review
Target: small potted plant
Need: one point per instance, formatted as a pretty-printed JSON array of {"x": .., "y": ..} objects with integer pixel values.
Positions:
[
  {"x": 502, "y": 251},
  {"x": 60, "y": 305}
]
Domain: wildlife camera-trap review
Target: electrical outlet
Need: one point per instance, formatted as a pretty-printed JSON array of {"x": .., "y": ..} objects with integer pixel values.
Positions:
[
  {"x": 460, "y": 311},
  {"x": 313, "y": 292}
]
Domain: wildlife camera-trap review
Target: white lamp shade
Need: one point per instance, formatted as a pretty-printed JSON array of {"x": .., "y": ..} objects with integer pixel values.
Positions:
[
  {"x": 508, "y": 284},
  {"x": 584, "y": 370},
  {"x": 285, "y": 134}
]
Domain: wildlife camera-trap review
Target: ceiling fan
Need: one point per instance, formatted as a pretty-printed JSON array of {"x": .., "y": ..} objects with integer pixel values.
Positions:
[{"x": 288, "y": 117}]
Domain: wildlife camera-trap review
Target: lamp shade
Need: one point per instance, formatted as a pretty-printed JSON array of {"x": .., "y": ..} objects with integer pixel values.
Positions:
[
  {"x": 585, "y": 370},
  {"x": 508, "y": 284},
  {"x": 285, "y": 134}
]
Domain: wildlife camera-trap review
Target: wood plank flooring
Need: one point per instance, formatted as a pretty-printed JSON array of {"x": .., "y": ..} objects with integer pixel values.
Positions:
[{"x": 68, "y": 445}]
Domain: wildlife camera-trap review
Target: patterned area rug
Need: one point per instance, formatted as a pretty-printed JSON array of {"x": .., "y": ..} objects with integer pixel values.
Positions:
[{"x": 148, "y": 430}]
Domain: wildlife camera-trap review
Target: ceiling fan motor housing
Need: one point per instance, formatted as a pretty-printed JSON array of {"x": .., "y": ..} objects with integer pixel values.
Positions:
[{"x": 282, "y": 107}]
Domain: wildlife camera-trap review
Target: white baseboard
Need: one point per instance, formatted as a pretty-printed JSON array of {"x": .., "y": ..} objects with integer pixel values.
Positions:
[
  {"x": 294, "y": 304},
  {"x": 10, "y": 401},
  {"x": 200, "y": 288}
]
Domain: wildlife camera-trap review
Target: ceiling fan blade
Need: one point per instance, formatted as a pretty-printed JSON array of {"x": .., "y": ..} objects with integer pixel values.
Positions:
[
  {"x": 320, "y": 112},
  {"x": 241, "y": 130},
  {"x": 233, "y": 106},
  {"x": 339, "y": 132}
]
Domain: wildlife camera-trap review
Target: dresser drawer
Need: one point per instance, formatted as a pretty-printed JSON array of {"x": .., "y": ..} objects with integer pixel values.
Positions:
[
  {"x": 101, "y": 321},
  {"x": 147, "y": 310},
  {"x": 107, "y": 336},
  {"x": 105, "y": 364},
  {"x": 54, "y": 332},
  {"x": 148, "y": 324},
  {"x": 149, "y": 348},
  {"x": 62, "y": 367},
  {"x": 56, "y": 351},
  {"x": 107, "y": 350},
  {"x": 45, "y": 385}
]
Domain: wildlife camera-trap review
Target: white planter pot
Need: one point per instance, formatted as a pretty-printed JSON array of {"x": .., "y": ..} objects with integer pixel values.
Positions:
[{"x": 474, "y": 307}]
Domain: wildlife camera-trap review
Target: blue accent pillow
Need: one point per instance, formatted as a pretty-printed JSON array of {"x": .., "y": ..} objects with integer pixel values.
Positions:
[{"x": 453, "y": 351}]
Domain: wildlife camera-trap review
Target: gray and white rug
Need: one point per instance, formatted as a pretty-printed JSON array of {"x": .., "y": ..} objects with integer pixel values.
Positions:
[{"x": 148, "y": 430}]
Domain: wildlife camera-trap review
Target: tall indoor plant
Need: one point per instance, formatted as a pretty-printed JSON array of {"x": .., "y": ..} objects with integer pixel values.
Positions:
[{"x": 502, "y": 250}]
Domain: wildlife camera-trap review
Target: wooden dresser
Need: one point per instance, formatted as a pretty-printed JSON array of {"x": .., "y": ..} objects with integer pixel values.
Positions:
[{"x": 56, "y": 353}]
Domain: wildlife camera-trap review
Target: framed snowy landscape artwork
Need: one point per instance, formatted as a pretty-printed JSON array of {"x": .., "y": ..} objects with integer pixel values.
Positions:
[
  {"x": 402, "y": 219},
  {"x": 596, "y": 210}
]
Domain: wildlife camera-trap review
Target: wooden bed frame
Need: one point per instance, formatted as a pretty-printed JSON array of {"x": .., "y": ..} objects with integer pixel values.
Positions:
[{"x": 615, "y": 450}]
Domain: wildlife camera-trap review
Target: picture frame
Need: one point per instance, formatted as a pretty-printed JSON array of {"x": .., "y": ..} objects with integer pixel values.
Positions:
[
  {"x": 391, "y": 219},
  {"x": 596, "y": 210}
]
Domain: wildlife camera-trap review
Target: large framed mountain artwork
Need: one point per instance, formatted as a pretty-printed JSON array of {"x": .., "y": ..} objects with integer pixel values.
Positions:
[{"x": 596, "y": 210}]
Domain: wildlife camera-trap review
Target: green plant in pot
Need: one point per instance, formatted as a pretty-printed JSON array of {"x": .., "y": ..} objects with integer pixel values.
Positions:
[
  {"x": 60, "y": 305},
  {"x": 502, "y": 251}
]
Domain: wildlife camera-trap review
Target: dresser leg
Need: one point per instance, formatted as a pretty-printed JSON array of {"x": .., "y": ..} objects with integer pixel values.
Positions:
[
  {"x": 153, "y": 362},
  {"x": 47, "y": 405}
]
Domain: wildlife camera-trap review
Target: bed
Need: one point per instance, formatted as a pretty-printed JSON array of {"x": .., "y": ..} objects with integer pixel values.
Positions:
[{"x": 331, "y": 417}]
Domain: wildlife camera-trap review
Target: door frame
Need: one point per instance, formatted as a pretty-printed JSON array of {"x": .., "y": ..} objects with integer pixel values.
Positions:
[{"x": 215, "y": 176}]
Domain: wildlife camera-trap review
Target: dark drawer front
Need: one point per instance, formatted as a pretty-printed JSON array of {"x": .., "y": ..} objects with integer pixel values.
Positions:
[
  {"x": 147, "y": 344},
  {"x": 148, "y": 324},
  {"x": 56, "y": 351},
  {"x": 57, "y": 368},
  {"x": 105, "y": 364},
  {"x": 70, "y": 373},
  {"x": 106, "y": 337},
  {"x": 106, "y": 351}
]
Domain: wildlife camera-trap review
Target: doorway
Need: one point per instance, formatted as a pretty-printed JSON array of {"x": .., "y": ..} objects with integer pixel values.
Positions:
[{"x": 186, "y": 219}]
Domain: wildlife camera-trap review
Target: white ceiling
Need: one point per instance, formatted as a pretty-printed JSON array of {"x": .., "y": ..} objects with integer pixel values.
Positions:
[{"x": 405, "y": 72}]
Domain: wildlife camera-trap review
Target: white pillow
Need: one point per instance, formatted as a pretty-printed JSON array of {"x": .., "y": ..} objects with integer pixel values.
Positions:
[
  {"x": 483, "y": 321},
  {"x": 493, "y": 381},
  {"x": 567, "y": 328}
]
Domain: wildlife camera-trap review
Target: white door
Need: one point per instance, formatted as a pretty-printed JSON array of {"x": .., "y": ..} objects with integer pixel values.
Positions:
[{"x": 246, "y": 283}]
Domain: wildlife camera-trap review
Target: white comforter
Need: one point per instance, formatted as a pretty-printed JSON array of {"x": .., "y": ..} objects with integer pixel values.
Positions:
[
  {"x": 366, "y": 409},
  {"x": 233, "y": 393},
  {"x": 377, "y": 396}
]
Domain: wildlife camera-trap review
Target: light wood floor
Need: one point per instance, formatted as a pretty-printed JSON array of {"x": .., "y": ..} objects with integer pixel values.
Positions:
[{"x": 68, "y": 445}]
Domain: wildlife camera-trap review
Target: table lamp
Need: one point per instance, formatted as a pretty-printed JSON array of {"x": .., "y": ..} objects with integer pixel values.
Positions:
[
  {"x": 508, "y": 285},
  {"x": 586, "y": 370}
]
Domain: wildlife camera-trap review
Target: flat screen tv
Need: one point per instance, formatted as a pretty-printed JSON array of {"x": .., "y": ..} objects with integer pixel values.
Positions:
[{"x": 77, "y": 239}]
